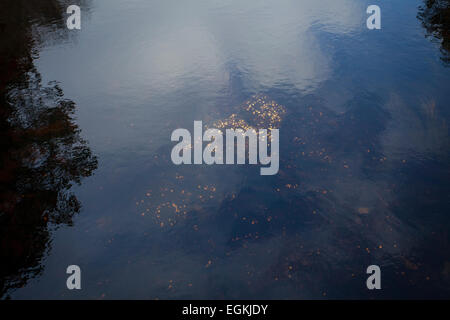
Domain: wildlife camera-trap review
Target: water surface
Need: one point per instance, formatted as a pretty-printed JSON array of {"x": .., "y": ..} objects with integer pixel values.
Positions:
[{"x": 364, "y": 150}]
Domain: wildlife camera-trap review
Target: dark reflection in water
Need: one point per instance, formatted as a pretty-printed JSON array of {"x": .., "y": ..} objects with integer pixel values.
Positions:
[
  {"x": 435, "y": 17},
  {"x": 42, "y": 153},
  {"x": 364, "y": 152}
]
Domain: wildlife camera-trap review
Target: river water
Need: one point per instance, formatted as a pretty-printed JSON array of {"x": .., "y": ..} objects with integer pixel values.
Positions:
[{"x": 87, "y": 177}]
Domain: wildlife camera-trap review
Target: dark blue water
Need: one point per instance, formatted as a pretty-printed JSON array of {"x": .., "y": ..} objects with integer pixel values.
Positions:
[{"x": 364, "y": 153}]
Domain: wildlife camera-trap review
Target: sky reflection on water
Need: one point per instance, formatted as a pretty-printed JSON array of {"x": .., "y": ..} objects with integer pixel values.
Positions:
[{"x": 364, "y": 152}]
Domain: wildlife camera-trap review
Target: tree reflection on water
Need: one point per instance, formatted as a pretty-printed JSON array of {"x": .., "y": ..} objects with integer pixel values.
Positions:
[
  {"x": 435, "y": 18},
  {"x": 42, "y": 153}
]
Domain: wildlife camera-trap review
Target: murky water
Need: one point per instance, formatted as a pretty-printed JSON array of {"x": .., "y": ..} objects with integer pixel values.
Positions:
[{"x": 87, "y": 179}]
